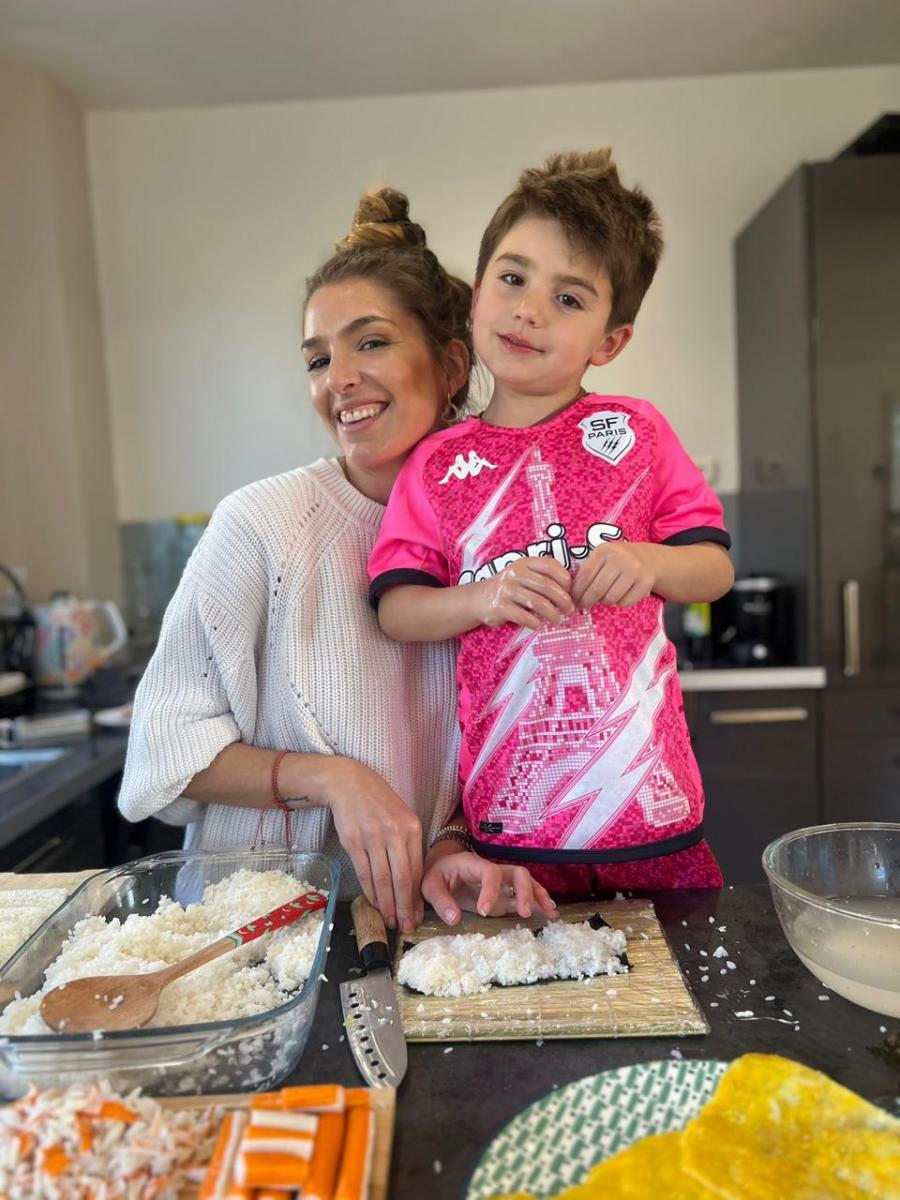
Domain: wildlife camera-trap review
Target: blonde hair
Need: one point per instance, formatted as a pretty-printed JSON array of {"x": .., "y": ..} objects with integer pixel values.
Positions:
[
  {"x": 385, "y": 246},
  {"x": 617, "y": 227}
]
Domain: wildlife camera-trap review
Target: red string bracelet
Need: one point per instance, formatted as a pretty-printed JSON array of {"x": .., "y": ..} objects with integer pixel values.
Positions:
[
  {"x": 277, "y": 798},
  {"x": 279, "y": 801}
]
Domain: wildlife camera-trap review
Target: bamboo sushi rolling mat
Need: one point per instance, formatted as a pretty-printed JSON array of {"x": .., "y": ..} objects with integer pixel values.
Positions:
[
  {"x": 652, "y": 999},
  {"x": 26, "y": 901},
  {"x": 383, "y": 1105}
]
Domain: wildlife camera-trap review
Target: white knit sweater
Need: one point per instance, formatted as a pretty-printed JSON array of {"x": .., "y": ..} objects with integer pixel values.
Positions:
[{"x": 270, "y": 640}]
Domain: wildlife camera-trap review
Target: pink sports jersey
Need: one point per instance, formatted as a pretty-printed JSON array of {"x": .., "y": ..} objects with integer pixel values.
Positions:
[{"x": 574, "y": 739}]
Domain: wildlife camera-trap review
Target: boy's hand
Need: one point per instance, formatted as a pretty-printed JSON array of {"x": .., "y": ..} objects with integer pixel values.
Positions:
[
  {"x": 620, "y": 573},
  {"x": 461, "y": 880},
  {"x": 527, "y": 592}
]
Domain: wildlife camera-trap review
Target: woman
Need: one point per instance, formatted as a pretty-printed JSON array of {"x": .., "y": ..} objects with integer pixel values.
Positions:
[{"x": 274, "y": 709}]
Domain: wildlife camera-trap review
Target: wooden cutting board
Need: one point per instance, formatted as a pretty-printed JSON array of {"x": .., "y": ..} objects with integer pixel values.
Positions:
[
  {"x": 652, "y": 1000},
  {"x": 383, "y": 1105}
]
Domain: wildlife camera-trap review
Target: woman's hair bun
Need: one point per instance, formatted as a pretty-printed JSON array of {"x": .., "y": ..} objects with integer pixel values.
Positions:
[{"x": 381, "y": 218}]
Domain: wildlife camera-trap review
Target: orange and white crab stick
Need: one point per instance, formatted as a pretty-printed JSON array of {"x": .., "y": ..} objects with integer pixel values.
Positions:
[
  {"x": 356, "y": 1160},
  {"x": 358, "y": 1097},
  {"x": 323, "y": 1168},
  {"x": 313, "y": 1098},
  {"x": 217, "y": 1180},
  {"x": 284, "y": 1171},
  {"x": 259, "y": 1140},
  {"x": 271, "y": 1118}
]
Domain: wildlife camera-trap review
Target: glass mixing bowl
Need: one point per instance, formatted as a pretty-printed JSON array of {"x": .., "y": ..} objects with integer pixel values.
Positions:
[{"x": 836, "y": 890}]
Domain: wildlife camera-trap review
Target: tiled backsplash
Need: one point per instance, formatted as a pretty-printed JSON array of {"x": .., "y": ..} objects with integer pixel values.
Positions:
[{"x": 154, "y": 554}]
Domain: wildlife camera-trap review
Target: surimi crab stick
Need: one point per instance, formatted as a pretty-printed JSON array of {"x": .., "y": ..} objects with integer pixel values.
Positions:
[
  {"x": 313, "y": 1098},
  {"x": 356, "y": 1161},
  {"x": 358, "y": 1098},
  {"x": 264, "y": 1118},
  {"x": 271, "y": 1171},
  {"x": 216, "y": 1182},
  {"x": 326, "y": 1159},
  {"x": 276, "y": 1141}
]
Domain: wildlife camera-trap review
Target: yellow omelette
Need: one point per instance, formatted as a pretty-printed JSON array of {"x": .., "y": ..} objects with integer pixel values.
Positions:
[
  {"x": 776, "y": 1128},
  {"x": 773, "y": 1128}
]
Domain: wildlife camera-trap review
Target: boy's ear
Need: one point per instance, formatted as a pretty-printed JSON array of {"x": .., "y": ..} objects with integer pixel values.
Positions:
[{"x": 612, "y": 345}]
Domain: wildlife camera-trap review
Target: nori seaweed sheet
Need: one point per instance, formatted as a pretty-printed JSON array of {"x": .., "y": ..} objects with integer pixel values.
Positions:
[{"x": 595, "y": 922}]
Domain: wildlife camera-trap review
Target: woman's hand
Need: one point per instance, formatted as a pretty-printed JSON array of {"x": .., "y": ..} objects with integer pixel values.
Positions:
[
  {"x": 528, "y": 592},
  {"x": 456, "y": 880},
  {"x": 383, "y": 838},
  {"x": 619, "y": 573}
]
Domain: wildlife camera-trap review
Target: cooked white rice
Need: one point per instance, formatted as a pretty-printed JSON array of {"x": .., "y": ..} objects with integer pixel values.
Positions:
[
  {"x": 465, "y": 964},
  {"x": 248, "y": 980}
]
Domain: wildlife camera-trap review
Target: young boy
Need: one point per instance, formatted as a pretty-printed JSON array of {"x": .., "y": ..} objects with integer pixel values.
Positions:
[{"x": 546, "y": 536}]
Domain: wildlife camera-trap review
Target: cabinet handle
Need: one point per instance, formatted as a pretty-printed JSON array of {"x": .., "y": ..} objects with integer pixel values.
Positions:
[
  {"x": 850, "y": 592},
  {"x": 756, "y": 716}
]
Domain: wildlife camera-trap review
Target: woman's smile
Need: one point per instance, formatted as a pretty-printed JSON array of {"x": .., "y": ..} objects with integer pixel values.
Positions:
[{"x": 362, "y": 414}]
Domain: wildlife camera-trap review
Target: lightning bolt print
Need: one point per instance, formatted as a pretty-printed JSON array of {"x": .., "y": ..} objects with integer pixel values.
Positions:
[
  {"x": 471, "y": 540},
  {"x": 625, "y": 758}
]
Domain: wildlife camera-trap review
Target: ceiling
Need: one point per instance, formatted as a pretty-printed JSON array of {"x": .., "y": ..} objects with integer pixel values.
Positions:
[{"x": 158, "y": 53}]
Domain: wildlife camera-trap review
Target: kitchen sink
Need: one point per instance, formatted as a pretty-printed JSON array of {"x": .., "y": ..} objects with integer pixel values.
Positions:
[{"x": 16, "y": 765}]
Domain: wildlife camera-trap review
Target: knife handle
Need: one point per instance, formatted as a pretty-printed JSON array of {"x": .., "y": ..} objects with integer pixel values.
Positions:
[{"x": 371, "y": 936}]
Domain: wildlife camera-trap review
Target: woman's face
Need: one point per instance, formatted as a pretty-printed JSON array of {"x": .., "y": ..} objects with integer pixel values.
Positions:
[{"x": 373, "y": 379}]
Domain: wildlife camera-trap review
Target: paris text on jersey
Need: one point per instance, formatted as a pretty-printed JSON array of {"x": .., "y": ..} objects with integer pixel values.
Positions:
[{"x": 553, "y": 546}]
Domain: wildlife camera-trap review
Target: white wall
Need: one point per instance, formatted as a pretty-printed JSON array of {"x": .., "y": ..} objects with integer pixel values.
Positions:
[
  {"x": 207, "y": 221},
  {"x": 57, "y": 518}
]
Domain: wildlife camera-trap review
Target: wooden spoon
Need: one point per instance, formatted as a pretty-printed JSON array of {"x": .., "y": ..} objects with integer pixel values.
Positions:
[{"x": 109, "y": 1002}]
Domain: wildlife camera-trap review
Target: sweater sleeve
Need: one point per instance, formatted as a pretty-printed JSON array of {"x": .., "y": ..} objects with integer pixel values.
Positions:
[{"x": 198, "y": 694}]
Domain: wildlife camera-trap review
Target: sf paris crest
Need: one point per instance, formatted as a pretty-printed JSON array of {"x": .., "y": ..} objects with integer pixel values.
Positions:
[{"x": 608, "y": 435}]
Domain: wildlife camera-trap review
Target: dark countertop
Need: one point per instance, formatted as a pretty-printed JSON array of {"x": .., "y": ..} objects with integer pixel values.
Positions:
[
  {"x": 451, "y": 1105},
  {"x": 27, "y": 802}
]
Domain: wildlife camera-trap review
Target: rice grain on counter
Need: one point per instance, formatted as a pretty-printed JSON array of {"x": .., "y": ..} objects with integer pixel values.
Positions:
[
  {"x": 250, "y": 979},
  {"x": 464, "y": 964}
]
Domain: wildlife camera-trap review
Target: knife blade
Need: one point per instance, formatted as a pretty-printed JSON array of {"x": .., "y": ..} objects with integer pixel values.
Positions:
[{"x": 369, "y": 1004}]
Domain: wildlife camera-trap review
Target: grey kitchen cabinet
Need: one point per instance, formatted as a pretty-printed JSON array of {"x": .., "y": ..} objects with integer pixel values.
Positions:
[
  {"x": 817, "y": 274},
  {"x": 70, "y": 840},
  {"x": 861, "y": 755},
  {"x": 758, "y": 758}
]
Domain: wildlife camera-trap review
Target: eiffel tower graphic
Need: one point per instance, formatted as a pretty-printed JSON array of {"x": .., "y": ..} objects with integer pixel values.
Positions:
[{"x": 562, "y": 731}]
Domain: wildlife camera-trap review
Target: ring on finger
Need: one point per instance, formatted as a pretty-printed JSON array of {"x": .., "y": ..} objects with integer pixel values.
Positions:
[{"x": 508, "y": 890}]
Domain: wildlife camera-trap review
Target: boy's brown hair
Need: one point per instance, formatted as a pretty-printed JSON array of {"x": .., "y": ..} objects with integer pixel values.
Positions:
[{"x": 617, "y": 227}]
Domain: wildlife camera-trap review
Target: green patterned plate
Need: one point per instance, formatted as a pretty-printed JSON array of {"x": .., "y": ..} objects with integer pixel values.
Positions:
[{"x": 554, "y": 1142}]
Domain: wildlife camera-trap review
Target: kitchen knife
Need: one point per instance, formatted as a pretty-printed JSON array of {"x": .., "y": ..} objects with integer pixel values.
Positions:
[{"x": 371, "y": 1014}]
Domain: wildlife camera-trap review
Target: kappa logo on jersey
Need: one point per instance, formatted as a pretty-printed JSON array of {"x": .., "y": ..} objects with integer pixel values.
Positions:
[
  {"x": 467, "y": 467},
  {"x": 608, "y": 435}
]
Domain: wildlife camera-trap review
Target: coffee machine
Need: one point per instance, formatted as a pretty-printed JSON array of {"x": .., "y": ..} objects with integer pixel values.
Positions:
[{"x": 752, "y": 625}]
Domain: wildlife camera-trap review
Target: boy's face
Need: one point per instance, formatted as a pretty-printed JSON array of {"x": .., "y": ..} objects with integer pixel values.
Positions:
[{"x": 540, "y": 313}]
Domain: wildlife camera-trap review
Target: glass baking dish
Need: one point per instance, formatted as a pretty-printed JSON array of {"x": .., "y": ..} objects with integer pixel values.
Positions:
[{"x": 243, "y": 1054}]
